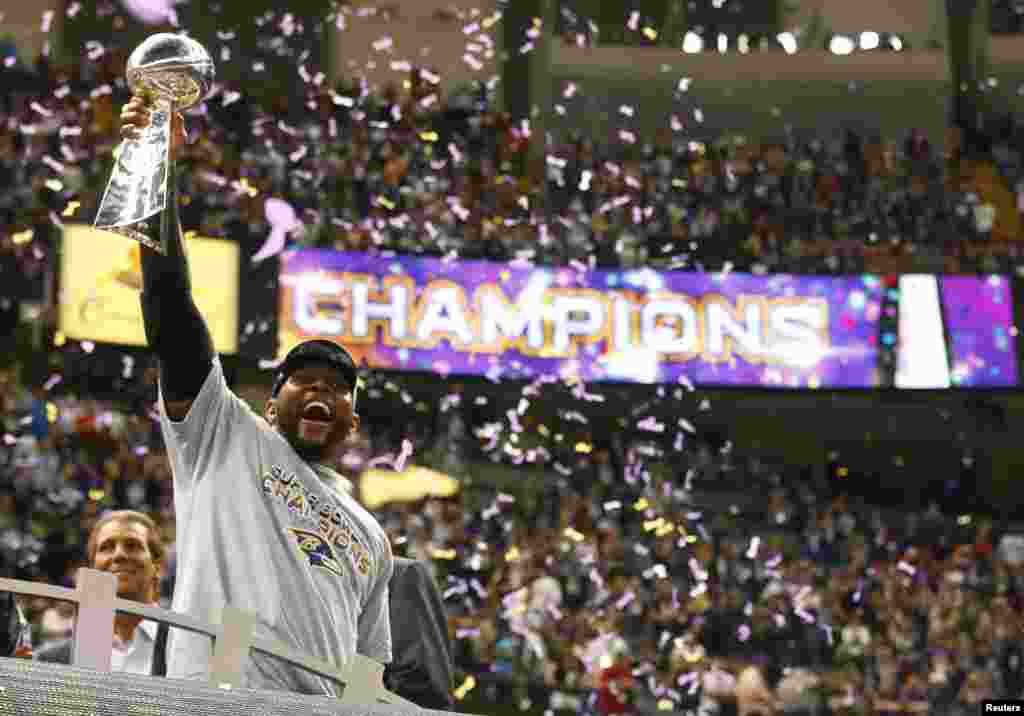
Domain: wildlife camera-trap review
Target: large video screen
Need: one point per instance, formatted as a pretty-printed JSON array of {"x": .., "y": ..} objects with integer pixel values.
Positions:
[
  {"x": 519, "y": 321},
  {"x": 980, "y": 331},
  {"x": 101, "y": 277},
  {"x": 922, "y": 356}
]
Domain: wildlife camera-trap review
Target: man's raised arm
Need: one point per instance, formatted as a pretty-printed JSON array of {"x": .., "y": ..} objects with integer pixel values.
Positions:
[{"x": 175, "y": 330}]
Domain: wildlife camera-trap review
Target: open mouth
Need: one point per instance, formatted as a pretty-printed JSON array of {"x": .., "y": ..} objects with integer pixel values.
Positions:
[{"x": 317, "y": 411}]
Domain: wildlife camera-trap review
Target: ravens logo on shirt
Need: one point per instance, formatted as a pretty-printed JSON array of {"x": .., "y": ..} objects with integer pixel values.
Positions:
[{"x": 317, "y": 550}]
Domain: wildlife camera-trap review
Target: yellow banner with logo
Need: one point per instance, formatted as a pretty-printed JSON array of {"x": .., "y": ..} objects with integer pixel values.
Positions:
[
  {"x": 380, "y": 487},
  {"x": 101, "y": 277}
]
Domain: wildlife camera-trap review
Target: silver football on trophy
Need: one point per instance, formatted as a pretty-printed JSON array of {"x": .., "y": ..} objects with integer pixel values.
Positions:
[
  {"x": 173, "y": 67},
  {"x": 171, "y": 72}
]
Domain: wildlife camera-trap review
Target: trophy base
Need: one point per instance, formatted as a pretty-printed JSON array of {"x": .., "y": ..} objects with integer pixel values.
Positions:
[{"x": 135, "y": 234}]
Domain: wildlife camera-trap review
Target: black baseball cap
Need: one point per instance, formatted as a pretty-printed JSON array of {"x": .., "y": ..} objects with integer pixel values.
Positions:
[{"x": 316, "y": 351}]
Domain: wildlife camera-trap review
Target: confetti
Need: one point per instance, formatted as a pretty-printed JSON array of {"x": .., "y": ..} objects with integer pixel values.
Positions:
[{"x": 283, "y": 220}]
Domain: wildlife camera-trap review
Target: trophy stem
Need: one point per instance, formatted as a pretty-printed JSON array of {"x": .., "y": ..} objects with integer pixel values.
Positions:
[{"x": 168, "y": 218}]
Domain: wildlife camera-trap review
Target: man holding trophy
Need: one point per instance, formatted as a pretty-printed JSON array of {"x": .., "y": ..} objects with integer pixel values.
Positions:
[{"x": 262, "y": 521}]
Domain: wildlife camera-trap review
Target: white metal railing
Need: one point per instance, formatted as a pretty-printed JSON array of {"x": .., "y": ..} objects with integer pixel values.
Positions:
[{"x": 95, "y": 594}]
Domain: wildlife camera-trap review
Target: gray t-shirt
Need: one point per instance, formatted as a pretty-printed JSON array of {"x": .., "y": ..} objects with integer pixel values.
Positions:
[{"x": 258, "y": 529}]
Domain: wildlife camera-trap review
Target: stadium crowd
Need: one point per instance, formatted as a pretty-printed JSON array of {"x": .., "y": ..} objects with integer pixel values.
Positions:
[
  {"x": 637, "y": 580},
  {"x": 404, "y": 169},
  {"x": 659, "y": 595}
]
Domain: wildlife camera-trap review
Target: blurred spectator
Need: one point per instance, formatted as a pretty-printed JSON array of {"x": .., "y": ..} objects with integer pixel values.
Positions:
[{"x": 129, "y": 545}]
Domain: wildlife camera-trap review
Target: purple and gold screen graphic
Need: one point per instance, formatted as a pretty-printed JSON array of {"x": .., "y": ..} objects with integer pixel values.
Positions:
[
  {"x": 979, "y": 327},
  {"x": 515, "y": 321}
]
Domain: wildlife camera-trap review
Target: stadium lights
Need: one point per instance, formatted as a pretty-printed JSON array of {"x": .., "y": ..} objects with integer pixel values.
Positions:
[
  {"x": 841, "y": 45},
  {"x": 788, "y": 42},
  {"x": 869, "y": 40}
]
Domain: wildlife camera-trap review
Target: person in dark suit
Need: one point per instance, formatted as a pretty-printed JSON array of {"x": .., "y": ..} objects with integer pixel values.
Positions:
[
  {"x": 421, "y": 650},
  {"x": 129, "y": 545},
  {"x": 10, "y": 625}
]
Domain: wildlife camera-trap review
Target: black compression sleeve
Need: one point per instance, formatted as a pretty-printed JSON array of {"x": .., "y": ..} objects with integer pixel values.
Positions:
[{"x": 175, "y": 330}]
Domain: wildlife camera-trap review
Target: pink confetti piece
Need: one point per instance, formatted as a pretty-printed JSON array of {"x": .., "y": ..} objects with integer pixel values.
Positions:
[
  {"x": 689, "y": 677},
  {"x": 755, "y": 543},
  {"x": 430, "y": 77},
  {"x": 403, "y": 455},
  {"x": 150, "y": 12},
  {"x": 679, "y": 442},
  {"x": 56, "y": 166},
  {"x": 288, "y": 25},
  {"x": 283, "y": 220},
  {"x": 342, "y": 101},
  {"x": 94, "y": 50},
  {"x": 906, "y": 568}
]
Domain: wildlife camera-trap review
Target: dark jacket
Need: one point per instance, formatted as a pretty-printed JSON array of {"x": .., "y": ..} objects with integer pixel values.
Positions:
[
  {"x": 60, "y": 652},
  {"x": 10, "y": 627},
  {"x": 421, "y": 663}
]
